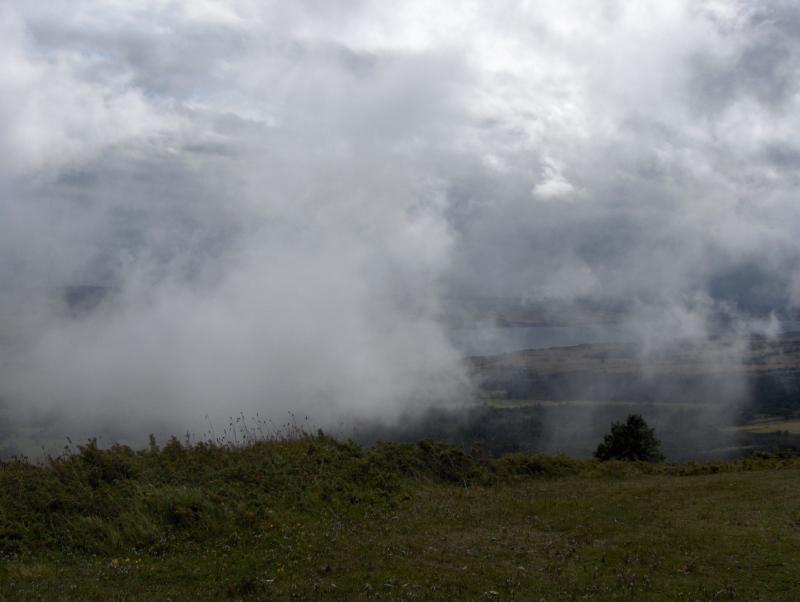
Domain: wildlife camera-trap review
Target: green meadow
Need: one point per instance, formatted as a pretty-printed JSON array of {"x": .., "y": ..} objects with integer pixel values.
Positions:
[{"x": 312, "y": 518}]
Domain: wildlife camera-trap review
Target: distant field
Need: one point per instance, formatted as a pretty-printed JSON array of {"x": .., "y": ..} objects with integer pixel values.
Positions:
[
  {"x": 698, "y": 357},
  {"x": 521, "y": 403},
  {"x": 773, "y": 426}
]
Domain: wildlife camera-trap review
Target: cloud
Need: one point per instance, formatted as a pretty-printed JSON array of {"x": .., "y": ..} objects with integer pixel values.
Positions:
[{"x": 280, "y": 196}]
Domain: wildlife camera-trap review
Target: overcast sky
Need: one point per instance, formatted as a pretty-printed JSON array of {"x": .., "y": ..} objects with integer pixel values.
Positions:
[{"x": 281, "y": 194}]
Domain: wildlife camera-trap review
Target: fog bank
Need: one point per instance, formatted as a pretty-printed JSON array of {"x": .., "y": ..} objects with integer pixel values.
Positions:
[{"x": 280, "y": 202}]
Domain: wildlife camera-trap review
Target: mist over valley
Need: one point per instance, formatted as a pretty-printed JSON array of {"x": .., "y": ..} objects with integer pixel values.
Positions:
[{"x": 434, "y": 300}]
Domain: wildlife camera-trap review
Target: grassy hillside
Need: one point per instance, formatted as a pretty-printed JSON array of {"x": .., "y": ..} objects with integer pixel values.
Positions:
[{"x": 313, "y": 518}]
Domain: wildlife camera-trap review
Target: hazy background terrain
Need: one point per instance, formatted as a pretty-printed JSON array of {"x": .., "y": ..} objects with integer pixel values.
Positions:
[{"x": 210, "y": 209}]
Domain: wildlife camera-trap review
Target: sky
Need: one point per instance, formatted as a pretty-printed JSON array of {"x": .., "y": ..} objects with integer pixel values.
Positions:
[{"x": 282, "y": 199}]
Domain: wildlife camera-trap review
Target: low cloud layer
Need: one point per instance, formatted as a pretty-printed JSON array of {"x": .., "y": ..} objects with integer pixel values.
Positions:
[{"x": 281, "y": 199}]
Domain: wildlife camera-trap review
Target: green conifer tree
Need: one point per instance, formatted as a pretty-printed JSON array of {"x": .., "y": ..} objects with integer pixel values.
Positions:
[{"x": 630, "y": 440}]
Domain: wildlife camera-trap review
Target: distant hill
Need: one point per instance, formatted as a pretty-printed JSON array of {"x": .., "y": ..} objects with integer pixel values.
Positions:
[{"x": 766, "y": 376}]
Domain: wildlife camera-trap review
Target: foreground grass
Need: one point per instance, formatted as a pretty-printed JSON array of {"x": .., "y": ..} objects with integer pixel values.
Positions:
[{"x": 316, "y": 519}]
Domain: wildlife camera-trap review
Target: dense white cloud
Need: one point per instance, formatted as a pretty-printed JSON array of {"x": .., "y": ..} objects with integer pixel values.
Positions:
[{"x": 279, "y": 194}]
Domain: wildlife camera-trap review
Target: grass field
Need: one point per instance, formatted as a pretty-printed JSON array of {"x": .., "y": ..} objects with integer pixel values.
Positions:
[{"x": 316, "y": 519}]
